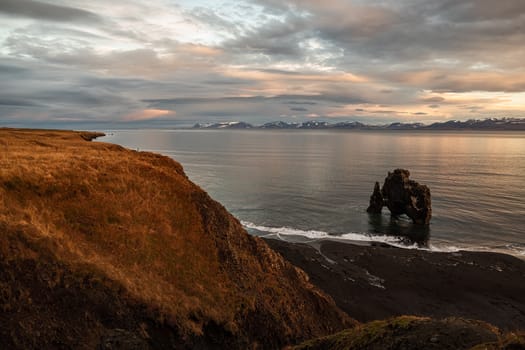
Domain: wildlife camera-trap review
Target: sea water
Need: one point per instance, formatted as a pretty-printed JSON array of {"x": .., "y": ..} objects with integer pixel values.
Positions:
[{"x": 307, "y": 185}]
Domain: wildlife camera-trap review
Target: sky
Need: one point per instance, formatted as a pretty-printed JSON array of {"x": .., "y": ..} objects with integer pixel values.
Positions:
[{"x": 180, "y": 62}]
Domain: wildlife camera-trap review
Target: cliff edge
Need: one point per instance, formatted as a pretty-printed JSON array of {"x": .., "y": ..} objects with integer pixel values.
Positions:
[{"x": 101, "y": 246}]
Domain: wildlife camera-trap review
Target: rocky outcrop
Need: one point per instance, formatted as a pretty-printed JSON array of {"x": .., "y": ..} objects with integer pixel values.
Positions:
[
  {"x": 402, "y": 196},
  {"x": 99, "y": 243},
  {"x": 376, "y": 200}
]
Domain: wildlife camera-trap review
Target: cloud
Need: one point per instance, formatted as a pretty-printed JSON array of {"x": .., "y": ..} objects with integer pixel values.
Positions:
[
  {"x": 436, "y": 99},
  {"x": 480, "y": 10},
  {"x": 45, "y": 11},
  {"x": 402, "y": 32},
  {"x": 310, "y": 103},
  {"x": 35, "y": 90},
  {"x": 147, "y": 114},
  {"x": 261, "y": 59},
  {"x": 280, "y": 38},
  {"x": 17, "y": 102},
  {"x": 299, "y": 109},
  {"x": 306, "y": 99},
  {"x": 255, "y": 109},
  {"x": 460, "y": 81}
]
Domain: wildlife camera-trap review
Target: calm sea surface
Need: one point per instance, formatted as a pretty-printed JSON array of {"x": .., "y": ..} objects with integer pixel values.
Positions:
[{"x": 301, "y": 185}]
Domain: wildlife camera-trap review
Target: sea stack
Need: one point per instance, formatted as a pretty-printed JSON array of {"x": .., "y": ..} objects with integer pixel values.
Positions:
[{"x": 402, "y": 196}]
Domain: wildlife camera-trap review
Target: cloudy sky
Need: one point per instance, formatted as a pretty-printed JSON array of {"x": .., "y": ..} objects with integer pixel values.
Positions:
[{"x": 183, "y": 61}]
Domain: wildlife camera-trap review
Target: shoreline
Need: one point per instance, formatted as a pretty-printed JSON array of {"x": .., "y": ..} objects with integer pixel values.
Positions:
[
  {"x": 372, "y": 282},
  {"x": 388, "y": 241}
]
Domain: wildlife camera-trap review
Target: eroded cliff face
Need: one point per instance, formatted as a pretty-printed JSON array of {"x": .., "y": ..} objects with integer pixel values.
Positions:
[{"x": 100, "y": 244}]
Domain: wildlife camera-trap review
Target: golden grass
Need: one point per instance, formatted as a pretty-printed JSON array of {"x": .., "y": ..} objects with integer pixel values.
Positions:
[
  {"x": 136, "y": 217},
  {"x": 121, "y": 214}
]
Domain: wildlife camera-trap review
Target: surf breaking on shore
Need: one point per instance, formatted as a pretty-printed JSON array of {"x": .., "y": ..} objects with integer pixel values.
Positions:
[{"x": 368, "y": 238}]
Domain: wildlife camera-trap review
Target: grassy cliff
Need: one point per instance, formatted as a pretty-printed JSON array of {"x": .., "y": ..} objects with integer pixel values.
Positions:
[{"x": 104, "y": 245}]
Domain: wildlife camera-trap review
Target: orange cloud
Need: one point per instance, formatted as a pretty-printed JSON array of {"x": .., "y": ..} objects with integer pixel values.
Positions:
[
  {"x": 286, "y": 77},
  {"x": 200, "y": 50},
  {"x": 147, "y": 114}
]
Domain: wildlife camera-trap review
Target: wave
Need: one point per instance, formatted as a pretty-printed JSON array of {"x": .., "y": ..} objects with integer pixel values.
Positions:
[
  {"x": 395, "y": 241},
  {"x": 313, "y": 234},
  {"x": 517, "y": 249},
  {"x": 362, "y": 237}
]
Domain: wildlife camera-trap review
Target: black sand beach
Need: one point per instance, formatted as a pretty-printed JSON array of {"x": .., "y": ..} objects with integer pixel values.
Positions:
[{"x": 377, "y": 282}]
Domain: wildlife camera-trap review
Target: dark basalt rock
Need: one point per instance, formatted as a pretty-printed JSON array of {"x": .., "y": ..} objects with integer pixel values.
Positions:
[
  {"x": 376, "y": 201},
  {"x": 402, "y": 196}
]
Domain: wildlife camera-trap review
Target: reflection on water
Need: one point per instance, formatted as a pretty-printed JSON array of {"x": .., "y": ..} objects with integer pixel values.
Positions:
[
  {"x": 322, "y": 180},
  {"x": 400, "y": 226}
]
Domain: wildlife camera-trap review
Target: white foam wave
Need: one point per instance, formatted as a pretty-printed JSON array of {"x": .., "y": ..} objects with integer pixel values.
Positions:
[
  {"x": 350, "y": 237},
  {"x": 287, "y": 231},
  {"x": 398, "y": 242},
  {"x": 314, "y": 234},
  {"x": 519, "y": 250}
]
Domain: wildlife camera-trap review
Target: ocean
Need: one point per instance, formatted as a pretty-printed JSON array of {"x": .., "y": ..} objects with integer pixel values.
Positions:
[{"x": 309, "y": 185}]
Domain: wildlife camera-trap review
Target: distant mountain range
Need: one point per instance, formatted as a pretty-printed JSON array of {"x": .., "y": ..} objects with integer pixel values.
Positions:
[{"x": 486, "y": 124}]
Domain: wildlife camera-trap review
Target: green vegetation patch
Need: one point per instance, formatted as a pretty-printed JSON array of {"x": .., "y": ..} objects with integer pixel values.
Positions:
[{"x": 409, "y": 332}]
